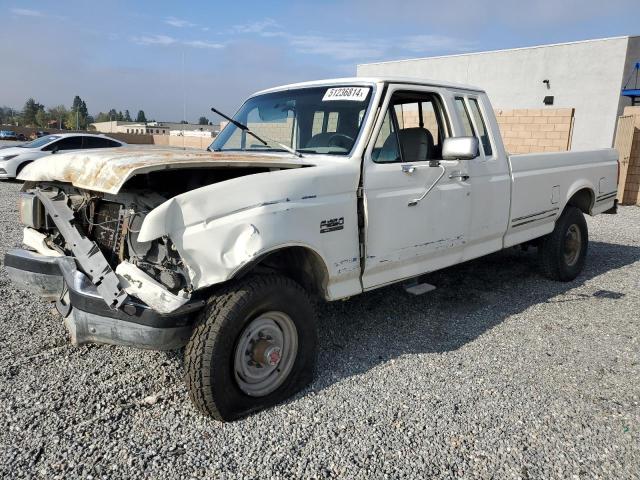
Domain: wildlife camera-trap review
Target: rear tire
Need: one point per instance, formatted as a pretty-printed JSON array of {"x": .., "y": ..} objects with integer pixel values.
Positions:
[
  {"x": 563, "y": 252},
  {"x": 254, "y": 346}
]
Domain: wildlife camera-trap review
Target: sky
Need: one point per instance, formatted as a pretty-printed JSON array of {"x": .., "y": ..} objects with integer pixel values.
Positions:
[{"x": 170, "y": 57}]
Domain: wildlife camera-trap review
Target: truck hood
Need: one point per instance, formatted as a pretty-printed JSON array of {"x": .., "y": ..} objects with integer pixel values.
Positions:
[{"x": 107, "y": 170}]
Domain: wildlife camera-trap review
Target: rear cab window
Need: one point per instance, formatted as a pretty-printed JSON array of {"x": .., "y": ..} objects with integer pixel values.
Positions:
[{"x": 473, "y": 123}]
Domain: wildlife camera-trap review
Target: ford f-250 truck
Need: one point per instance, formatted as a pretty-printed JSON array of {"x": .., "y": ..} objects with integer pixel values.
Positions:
[{"x": 322, "y": 190}]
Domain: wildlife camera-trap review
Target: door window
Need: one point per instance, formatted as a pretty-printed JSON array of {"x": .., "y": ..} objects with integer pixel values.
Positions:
[
  {"x": 97, "y": 142},
  {"x": 67, "y": 143},
  {"x": 413, "y": 129}
]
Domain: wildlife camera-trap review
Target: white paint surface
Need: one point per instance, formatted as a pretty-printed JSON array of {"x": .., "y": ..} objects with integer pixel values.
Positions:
[
  {"x": 137, "y": 283},
  {"x": 221, "y": 228}
]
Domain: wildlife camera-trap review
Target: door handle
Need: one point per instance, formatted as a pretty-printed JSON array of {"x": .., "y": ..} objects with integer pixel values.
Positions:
[
  {"x": 409, "y": 169},
  {"x": 461, "y": 176}
]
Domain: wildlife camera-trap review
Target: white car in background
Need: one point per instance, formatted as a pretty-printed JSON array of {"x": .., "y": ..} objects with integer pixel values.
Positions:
[{"x": 14, "y": 159}]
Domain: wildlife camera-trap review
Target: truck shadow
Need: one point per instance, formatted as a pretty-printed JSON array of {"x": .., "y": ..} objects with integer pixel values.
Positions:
[{"x": 471, "y": 298}]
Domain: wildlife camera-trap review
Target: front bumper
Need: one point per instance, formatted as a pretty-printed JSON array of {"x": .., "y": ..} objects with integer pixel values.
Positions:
[{"x": 87, "y": 317}]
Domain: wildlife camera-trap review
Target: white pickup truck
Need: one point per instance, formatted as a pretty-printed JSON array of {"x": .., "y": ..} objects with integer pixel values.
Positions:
[{"x": 319, "y": 190}]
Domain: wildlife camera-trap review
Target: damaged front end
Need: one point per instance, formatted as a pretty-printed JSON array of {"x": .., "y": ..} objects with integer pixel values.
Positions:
[{"x": 83, "y": 252}]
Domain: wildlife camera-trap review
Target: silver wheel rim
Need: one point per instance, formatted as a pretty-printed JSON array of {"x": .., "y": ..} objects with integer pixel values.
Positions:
[
  {"x": 572, "y": 245},
  {"x": 265, "y": 353}
]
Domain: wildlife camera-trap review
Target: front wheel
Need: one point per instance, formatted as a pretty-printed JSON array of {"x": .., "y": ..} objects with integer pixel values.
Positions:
[
  {"x": 254, "y": 346},
  {"x": 563, "y": 251}
]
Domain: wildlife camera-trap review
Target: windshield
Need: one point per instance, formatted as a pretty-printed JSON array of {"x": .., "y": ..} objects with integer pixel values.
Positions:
[
  {"x": 40, "y": 142},
  {"x": 310, "y": 120}
]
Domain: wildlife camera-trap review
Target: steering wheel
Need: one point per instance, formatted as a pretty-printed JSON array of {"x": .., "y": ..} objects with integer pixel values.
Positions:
[{"x": 340, "y": 140}]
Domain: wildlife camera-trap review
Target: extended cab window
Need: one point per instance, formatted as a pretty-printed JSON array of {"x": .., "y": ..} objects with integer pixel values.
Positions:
[
  {"x": 413, "y": 129},
  {"x": 463, "y": 113},
  {"x": 480, "y": 125}
]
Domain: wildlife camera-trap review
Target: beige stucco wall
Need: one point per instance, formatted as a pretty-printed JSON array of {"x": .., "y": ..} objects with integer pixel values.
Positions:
[{"x": 586, "y": 76}]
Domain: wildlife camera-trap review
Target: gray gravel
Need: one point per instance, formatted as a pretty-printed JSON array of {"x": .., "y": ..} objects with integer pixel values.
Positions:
[{"x": 497, "y": 374}]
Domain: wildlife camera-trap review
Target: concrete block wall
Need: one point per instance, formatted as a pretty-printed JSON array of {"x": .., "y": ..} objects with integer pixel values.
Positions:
[
  {"x": 536, "y": 130},
  {"x": 523, "y": 131}
]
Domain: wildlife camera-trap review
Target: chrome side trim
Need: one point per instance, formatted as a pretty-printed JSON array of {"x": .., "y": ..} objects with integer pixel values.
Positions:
[{"x": 535, "y": 214}]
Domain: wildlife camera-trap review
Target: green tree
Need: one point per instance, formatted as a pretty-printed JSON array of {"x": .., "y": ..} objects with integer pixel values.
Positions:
[
  {"x": 203, "y": 121},
  {"x": 8, "y": 116},
  {"x": 119, "y": 116},
  {"x": 78, "y": 116},
  {"x": 42, "y": 119},
  {"x": 30, "y": 110},
  {"x": 141, "y": 117},
  {"x": 102, "y": 117},
  {"x": 59, "y": 114},
  {"x": 127, "y": 116},
  {"x": 72, "y": 121}
]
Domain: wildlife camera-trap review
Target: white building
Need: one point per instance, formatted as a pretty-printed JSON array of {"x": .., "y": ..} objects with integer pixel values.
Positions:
[
  {"x": 587, "y": 76},
  {"x": 154, "y": 128}
]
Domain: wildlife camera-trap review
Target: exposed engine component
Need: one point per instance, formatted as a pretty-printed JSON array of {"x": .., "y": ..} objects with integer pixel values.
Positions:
[
  {"x": 114, "y": 226},
  {"x": 170, "y": 279}
]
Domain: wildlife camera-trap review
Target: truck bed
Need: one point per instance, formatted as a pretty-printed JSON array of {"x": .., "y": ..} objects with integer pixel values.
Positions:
[{"x": 543, "y": 183}]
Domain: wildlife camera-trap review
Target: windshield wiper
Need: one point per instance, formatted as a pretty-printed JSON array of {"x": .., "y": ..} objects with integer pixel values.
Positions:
[{"x": 246, "y": 129}]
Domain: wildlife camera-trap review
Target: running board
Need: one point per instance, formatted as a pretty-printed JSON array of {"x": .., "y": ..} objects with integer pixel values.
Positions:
[{"x": 419, "y": 288}]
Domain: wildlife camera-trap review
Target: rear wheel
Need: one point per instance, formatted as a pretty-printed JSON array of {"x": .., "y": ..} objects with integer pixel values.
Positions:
[
  {"x": 254, "y": 346},
  {"x": 563, "y": 251}
]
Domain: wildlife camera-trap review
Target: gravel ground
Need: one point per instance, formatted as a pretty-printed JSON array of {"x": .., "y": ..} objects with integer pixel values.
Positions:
[{"x": 497, "y": 374}]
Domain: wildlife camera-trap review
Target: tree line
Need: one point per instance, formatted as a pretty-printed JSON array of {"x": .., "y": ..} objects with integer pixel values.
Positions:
[{"x": 35, "y": 114}]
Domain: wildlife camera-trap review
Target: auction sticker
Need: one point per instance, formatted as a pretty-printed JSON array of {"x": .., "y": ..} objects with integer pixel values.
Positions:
[{"x": 350, "y": 94}]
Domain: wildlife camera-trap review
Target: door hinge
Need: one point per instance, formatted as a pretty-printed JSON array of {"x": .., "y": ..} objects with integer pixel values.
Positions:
[
  {"x": 361, "y": 250},
  {"x": 359, "y": 192}
]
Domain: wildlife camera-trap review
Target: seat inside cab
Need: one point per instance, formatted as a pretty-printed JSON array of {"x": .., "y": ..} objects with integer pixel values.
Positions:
[{"x": 413, "y": 129}]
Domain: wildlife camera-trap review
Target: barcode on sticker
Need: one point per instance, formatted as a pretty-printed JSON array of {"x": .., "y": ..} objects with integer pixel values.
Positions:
[{"x": 351, "y": 94}]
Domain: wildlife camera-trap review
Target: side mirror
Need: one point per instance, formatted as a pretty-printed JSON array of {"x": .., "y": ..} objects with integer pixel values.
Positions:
[
  {"x": 460, "y": 148},
  {"x": 55, "y": 149}
]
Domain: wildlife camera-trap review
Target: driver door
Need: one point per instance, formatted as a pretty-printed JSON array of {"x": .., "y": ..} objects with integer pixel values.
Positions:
[{"x": 417, "y": 205}]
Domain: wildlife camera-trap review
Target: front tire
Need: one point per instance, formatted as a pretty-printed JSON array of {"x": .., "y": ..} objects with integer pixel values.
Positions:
[
  {"x": 563, "y": 251},
  {"x": 254, "y": 346},
  {"x": 20, "y": 167}
]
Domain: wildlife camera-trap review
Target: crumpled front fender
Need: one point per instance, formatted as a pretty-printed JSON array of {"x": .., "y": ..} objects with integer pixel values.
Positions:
[{"x": 219, "y": 228}]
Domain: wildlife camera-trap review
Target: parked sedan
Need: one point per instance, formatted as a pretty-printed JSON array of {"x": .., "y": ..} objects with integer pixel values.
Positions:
[
  {"x": 14, "y": 159},
  {"x": 8, "y": 135}
]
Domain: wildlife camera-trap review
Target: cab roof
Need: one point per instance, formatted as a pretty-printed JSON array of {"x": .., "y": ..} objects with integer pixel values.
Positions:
[{"x": 370, "y": 81}]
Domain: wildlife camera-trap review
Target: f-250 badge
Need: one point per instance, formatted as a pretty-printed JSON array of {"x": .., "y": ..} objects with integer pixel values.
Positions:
[{"x": 331, "y": 225}]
